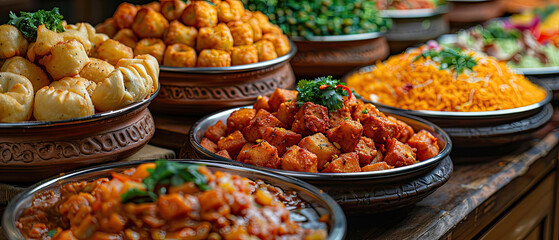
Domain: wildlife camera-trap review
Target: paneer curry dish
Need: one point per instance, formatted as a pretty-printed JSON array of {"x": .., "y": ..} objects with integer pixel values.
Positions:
[
  {"x": 167, "y": 200},
  {"x": 320, "y": 127}
]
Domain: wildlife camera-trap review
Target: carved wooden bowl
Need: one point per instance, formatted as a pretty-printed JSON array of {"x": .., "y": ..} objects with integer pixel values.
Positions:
[
  {"x": 413, "y": 26},
  {"x": 337, "y": 54},
  {"x": 31, "y": 151},
  {"x": 199, "y": 91},
  {"x": 359, "y": 192}
]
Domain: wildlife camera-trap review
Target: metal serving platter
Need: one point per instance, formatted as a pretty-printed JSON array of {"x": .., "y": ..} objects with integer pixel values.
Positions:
[
  {"x": 451, "y": 39},
  {"x": 443, "y": 118},
  {"x": 199, "y": 128},
  {"x": 339, "y": 38},
  {"x": 320, "y": 203},
  {"x": 234, "y": 69},
  {"x": 415, "y": 13},
  {"x": 95, "y": 117}
]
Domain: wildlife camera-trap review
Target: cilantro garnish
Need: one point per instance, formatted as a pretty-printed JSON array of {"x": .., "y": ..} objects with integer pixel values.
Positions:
[
  {"x": 324, "y": 91},
  {"x": 51, "y": 233},
  {"x": 449, "y": 58},
  {"x": 28, "y": 22},
  {"x": 166, "y": 173}
]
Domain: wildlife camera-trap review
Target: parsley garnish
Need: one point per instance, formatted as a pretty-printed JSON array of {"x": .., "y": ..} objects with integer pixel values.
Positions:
[
  {"x": 324, "y": 91},
  {"x": 166, "y": 173},
  {"x": 28, "y": 22},
  {"x": 365, "y": 111},
  {"x": 449, "y": 58}
]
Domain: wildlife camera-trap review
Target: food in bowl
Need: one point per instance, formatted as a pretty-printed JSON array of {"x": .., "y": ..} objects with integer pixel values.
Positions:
[
  {"x": 408, "y": 4},
  {"x": 438, "y": 78},
  {"x": 321, "y": 127},
  {"x": 197, "y": 33},
  {"x": 167, "y": 200},
  {"x": 53, "y": 71},
  {"x": 322, "y": 18}
]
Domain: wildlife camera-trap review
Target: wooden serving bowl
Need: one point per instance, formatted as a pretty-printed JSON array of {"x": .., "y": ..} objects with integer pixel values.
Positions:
[
  {"x": 199, "y": 91},
  {"x": 31, "y": 151},
  {"x": 359, "y": 192},
  {"x": 338, "y": 54}
]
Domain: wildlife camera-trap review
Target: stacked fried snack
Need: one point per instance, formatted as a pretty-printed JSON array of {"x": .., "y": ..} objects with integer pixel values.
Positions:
[
  {"x": 198, "y": 34},
  {"x": 70, "y": 74}
]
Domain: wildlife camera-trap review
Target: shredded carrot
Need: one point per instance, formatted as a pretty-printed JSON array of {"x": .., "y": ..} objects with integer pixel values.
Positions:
[{"x": 421, "y": 85}]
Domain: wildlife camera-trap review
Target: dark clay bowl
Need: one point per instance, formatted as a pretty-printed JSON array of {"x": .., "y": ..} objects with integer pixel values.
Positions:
[
  {"x": 360, "y": 192},
  {"x": 31, "y": 151},
  {"x": 199, "y": 91},
  {"x": 410, "y": 27},
  {"x": 464, "y": 12},
  {"x": 338, "y": 54},
  {"x": 320, "y": 203}
]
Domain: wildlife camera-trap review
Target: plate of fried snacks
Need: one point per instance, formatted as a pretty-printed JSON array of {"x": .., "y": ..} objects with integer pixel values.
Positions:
[
  {"x": 194, "y": 199},
  {"x": 213, "y": 55},
  {"x": 455, "y": 88},
  {"x": 321, "y": 133},
  {"x": 67, "y": 94}
]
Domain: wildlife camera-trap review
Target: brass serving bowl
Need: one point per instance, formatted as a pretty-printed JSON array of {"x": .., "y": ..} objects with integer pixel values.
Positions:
[
  {"x": 198, "y": 91},
  {"x": 31, "y": 151}
]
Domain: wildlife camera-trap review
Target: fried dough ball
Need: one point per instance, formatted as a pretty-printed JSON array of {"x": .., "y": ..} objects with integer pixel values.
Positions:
[
  {"x": 35, "y": 74},
  {"x": 112, "y": 51},
  {"x": 265, "y": 24},
  {"x": 66, "y": 59},
  {"x": 179, "y": 33},
  {"x": 230, "y": 10},
  {"x": 64, "y": 99},
  {"x": 126, "y": 85},
  {"x": 199, "y": 14},
  {"x": 96, "y": 70},
  {"x": 172, "y": 9},
  {"x": 256, "y": 29},
  {"x": 149, "y": 62},
  {"x": 179, "y": 55},
  {"x": 80, "y": 35},
  {"x": 151, "y": 46},
  {"x": 155, "y": 6},
  {"x": 213, "y": 58},
  {"x": 244, "y": 55},
  {"x": 266, "y": 50},
  {"x": 108, "y": 27},
  {"x": 126, "y": 37},
  {"x": 218, "y": 37},
  {"x": 16, "y": 97},
  {"x": 12, "y": 42},
  {"x": 125, "y": 14},
  {"x": 280, "y": 41},
  {"x": 242, "y": 33},
  {"x": 70, "y": 82},
  {"x": 149, "y": 24},
  {"x": 46, "y": 39}
]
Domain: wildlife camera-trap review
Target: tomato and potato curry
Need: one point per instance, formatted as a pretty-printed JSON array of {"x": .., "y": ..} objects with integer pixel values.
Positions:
[
  {"x": 321, "y": 127},
  {"x": 166, "y": 200}
]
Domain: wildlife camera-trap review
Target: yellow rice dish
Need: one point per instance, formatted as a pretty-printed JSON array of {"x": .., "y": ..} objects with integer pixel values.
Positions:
[{"x": 416, "y": 81}]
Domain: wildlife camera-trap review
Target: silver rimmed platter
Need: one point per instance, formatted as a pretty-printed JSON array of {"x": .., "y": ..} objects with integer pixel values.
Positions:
[
  {"x": 35, "y": 150},
  {"x": 339, "y": 54},
  {"x": 199, "y": 91},
  {"x": 415, "y": 13},
  {"x": 318, "y": 203},
  {"x": 360, "y": 192}
]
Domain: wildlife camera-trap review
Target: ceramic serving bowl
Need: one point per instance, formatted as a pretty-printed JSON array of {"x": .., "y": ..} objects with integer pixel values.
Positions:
[
  {"x": 412, "y": 26},
  {"x": 31, "y": 151},
  {"x": 320, "y": 203},
  {"x": 360, "y": 192},
  {"x": 338, "y": 54},
  {"x": 198, "y": 91}
]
